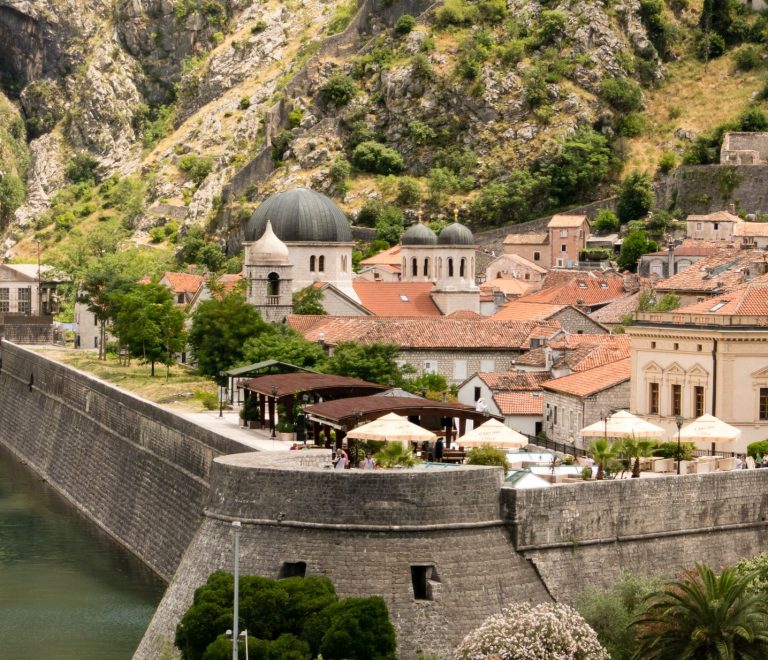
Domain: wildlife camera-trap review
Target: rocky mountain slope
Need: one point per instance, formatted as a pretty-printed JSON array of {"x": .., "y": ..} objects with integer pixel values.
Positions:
[{"x": 203, "y": 107}]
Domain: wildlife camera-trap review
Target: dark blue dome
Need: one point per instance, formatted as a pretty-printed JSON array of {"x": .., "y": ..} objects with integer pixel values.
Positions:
[{"x": 300, "y": 215}]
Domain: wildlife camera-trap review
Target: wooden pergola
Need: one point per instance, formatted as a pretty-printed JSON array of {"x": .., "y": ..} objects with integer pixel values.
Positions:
[
  {"x": 343, "y": 415},
  {"x": 286, "y": 389}
]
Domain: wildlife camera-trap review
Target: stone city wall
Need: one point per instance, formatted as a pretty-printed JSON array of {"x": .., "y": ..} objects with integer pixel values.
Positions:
[{"x": 139, "y": 471}]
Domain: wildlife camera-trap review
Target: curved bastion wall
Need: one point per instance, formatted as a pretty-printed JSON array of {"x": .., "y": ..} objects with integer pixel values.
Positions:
[{"x": 367, "y": 532}]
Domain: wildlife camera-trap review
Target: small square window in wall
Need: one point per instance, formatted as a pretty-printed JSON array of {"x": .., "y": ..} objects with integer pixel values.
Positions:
[
  {"x": 698, "y": 347},
  {"x": 293, "y": 569},
  {"x": 653, "y": 344},
  {"x": 676, "y": 346},
  {"x": 425, "y": 582}
]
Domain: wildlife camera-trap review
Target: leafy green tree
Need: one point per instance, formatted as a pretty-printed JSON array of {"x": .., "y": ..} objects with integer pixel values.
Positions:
[
  {"x": 635, "y": 245},
  {"x": 603, "y": 452},
  {"x": 605, "y": 221},
  {"x": 717, "y": 16},
  {"x": 82, "y": 167},
  {"x": 390, "y": 224},
  {"x": 308, "y": 302},
  {"x": 12, "y": 193},
  {"x": 338, "y": 90},
  {"x": 220, "y": 328},
  {"x": 753, "y": 120},
  {"x": 431, "y": 382},
  {"x": 150, "y": 325},
  {"x": 584, "y": 160},
  {"x": 404, "y": 24},
  {"x": 757, "y": 567},
  {"x": 623, "y": 94},
  {"x": 374, "y": 157},
  {"x": 635, "y": 197},
  {"x": 359, "y": 628},
  {"x": 408, "y": 191},
  {"x": 375, "y": 362},
  {"x": 441, "y": 182},
  {"x": 212, "y": 257},
  {"x": 196, "y": 167},
  {"x": 610, "y": 613},
  {"x": 285, "y": 345},
  {"x": 704, "y": 615}
]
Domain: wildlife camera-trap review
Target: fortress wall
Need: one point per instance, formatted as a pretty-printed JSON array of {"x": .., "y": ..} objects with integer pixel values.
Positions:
[
  {"x": 586, "y": 534},
  {"x": 363, "y": 530},
  {"x": 139, "y": 471}
]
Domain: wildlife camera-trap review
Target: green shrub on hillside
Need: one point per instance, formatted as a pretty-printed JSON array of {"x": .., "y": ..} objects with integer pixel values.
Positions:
[
  {"x": 623, "y": 94},
  {"x": 338, "y": 90},
  {"x": 404, "y": 24},
  {"x": 196, "y": 167},
  {"x": 376, "y": 158},
  {"x": 82, "y": 167}
]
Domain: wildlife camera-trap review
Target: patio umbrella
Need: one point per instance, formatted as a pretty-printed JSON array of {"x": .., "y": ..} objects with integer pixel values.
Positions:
[
  {"x": 709, "y": 429},
  {"x": 391, "y": 428},
  {"x": 494, "y": 434},
  {"x": 622, "y": 424}
]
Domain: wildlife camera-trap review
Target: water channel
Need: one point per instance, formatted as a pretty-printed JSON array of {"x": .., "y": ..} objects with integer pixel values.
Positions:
[{"x": 67, "y": 590}]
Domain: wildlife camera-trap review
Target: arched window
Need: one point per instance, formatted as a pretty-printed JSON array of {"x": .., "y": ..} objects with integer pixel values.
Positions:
[
  {"x": 450, "y": 266},
  {"x": 426, "y": 267},
  {"x": 321, "y": 264},
  {"x": 273, "y": 286},
  {"x": 344, "y": 263},
  {"x": 312, "y": 264},
  {"x": 498, "y": 275},
  {"x": 414, "y": 267},
  {"x": 462, "y": 265}
]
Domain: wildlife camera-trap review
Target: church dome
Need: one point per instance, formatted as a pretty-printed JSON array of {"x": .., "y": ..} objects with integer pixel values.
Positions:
[
  {"x": 456, "y": 234},
  {"x": 419, "y": 234},
  {"x": 300, "y": 215},
  {"x": 269, "y": 248}
]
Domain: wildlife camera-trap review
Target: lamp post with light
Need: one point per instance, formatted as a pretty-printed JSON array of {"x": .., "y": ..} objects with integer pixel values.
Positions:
[{"x": 679, "y": 422}]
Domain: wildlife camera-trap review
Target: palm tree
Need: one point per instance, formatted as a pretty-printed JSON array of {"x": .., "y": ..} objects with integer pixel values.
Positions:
[
  {"x": 636, "y": 449},
  {"x": 706, "y": 616},
  {"x": 603, "y": 452},
  {"x": 395, "y": 454}
]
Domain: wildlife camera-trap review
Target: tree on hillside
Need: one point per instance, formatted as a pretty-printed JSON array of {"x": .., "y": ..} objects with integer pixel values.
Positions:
[
  {"x": 375, "y": 363},
  {"x": 220, "y": 328},
  {"x": 149, "y": 324},
  {"x": 704, "y": 615},
  {"x": 635, "y": 197},
  {"x": 635, "y": 245},
  {"x": 283, "y": 344},
  {"x": 308, "y": 301}
]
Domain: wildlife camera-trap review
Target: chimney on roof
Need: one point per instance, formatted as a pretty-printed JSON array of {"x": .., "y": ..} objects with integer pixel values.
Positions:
[
  {"x": 732, "y": 209},
  {"x": 547, "y": 358},
  {"x": 631, "y": 282}
]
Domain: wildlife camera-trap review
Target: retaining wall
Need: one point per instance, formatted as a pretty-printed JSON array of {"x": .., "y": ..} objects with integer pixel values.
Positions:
[{"x": 137, "y": 470}]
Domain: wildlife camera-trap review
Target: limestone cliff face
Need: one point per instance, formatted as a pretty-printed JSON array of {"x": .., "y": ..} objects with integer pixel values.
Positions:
[{"x": 223, "y": 75}]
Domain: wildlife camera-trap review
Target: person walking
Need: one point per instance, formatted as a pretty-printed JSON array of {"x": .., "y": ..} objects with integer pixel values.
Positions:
[
  {"x": 370, "y": 462},
  {"x": 342, "y": 460}
]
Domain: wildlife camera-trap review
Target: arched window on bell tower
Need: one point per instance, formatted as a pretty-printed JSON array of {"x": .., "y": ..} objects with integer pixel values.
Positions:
[
  {"x": 321, "y": 264},
  {"x": 414, "y": 267},
  {"x": 273, "y": 286},
  {"x": 426, "y": 267},
  {"x": 462, "y": 265},
  {"x": 450, "y": 266},
  {"x": 312, "y": 264}
]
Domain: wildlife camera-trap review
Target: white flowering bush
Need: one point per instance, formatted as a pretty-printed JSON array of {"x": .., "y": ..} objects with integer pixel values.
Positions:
[{"x": 549, "y": 631}]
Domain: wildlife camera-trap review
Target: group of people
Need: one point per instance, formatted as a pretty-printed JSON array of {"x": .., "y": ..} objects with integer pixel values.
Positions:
[{"x": 341, "y": 461}]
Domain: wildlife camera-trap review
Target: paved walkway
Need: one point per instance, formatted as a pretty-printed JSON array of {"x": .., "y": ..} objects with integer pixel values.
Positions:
[{"x": 229, "y": 426}]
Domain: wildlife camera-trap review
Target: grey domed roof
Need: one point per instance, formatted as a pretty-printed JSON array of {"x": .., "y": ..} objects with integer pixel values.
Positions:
[
  {"x": 456, "y": 234},
  {"x": 300, "y": 215},
  {"x": 419, "y": 234}
]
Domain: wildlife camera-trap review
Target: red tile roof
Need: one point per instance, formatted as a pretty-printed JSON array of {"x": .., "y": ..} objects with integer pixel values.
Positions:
[
  {"x": 183, "y": 282},
  {"x": 396, "y": 298},
  {"x": 751, "y": 300},
  {"x": 526, "y": 239},
  {"x": 717, "y": 216},
  {"x": 526, "y": 311},
  {"x": 519, "y": 403},
  {"x": 562, "y": 221},
  {"x": 579, "y": 291},
  {"x": 617, "y": 309},
  {"x": 390, "y": 257},
  {"x": 586, "y": 383},
  {"x": 758, "y": 229},
  {"x": 720, "y": 271},
  {"x": 515, "y": 380},
  {"x": 426, "y": 333},
  {"x": 509, "y": 286}
]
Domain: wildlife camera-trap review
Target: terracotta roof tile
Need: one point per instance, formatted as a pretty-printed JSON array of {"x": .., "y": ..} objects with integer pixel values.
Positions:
[
  {"x": 527, "y": 311},
  {"x": 758, "y": 229},
  {"x": 717, "y": 272},
  {"x": 562, "y": 221},
  {"x": 509, "y": 286},
  {"x": 515, "y": 380},
  {"x": 579, "y": 291},
  {"x": 617, "y": 309},
  {"x": 183, "y": 282},
  {"x": 521, "y": 261},
  {"x": 717, "y": 216},
  {"x": 390, "y": 257},
  {"x": 750, "y": 300},
  {"x": 526, "y": 239},
  {"x": 396, "y": 298},
  {"x": 519, "y": 403},
  {"x": 415, "y": 333},
  {"x": 589, "y": 382}
]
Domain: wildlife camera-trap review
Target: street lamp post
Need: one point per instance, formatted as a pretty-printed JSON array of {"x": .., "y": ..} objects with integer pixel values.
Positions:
[
  {"x": 236, "y": 527},
  {"x": 679, "y": 422},
  {"x": 244, "y": 634},
  {"x": 39, "y": 283}
]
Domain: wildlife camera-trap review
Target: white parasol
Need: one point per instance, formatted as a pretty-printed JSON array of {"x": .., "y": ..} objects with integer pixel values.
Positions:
[
  {"x": 494, "y": 434},
  {"x": 709, "y": 429},
  {"x": 391, "y": 428},
  {"x": 622, "y": 424}
]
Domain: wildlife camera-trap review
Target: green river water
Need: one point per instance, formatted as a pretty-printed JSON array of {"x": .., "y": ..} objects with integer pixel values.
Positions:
[{"x": 67, "y": 590}]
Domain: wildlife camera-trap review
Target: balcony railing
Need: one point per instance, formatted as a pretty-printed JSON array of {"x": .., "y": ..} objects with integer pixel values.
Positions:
[{"x": 273, "y": 300}]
